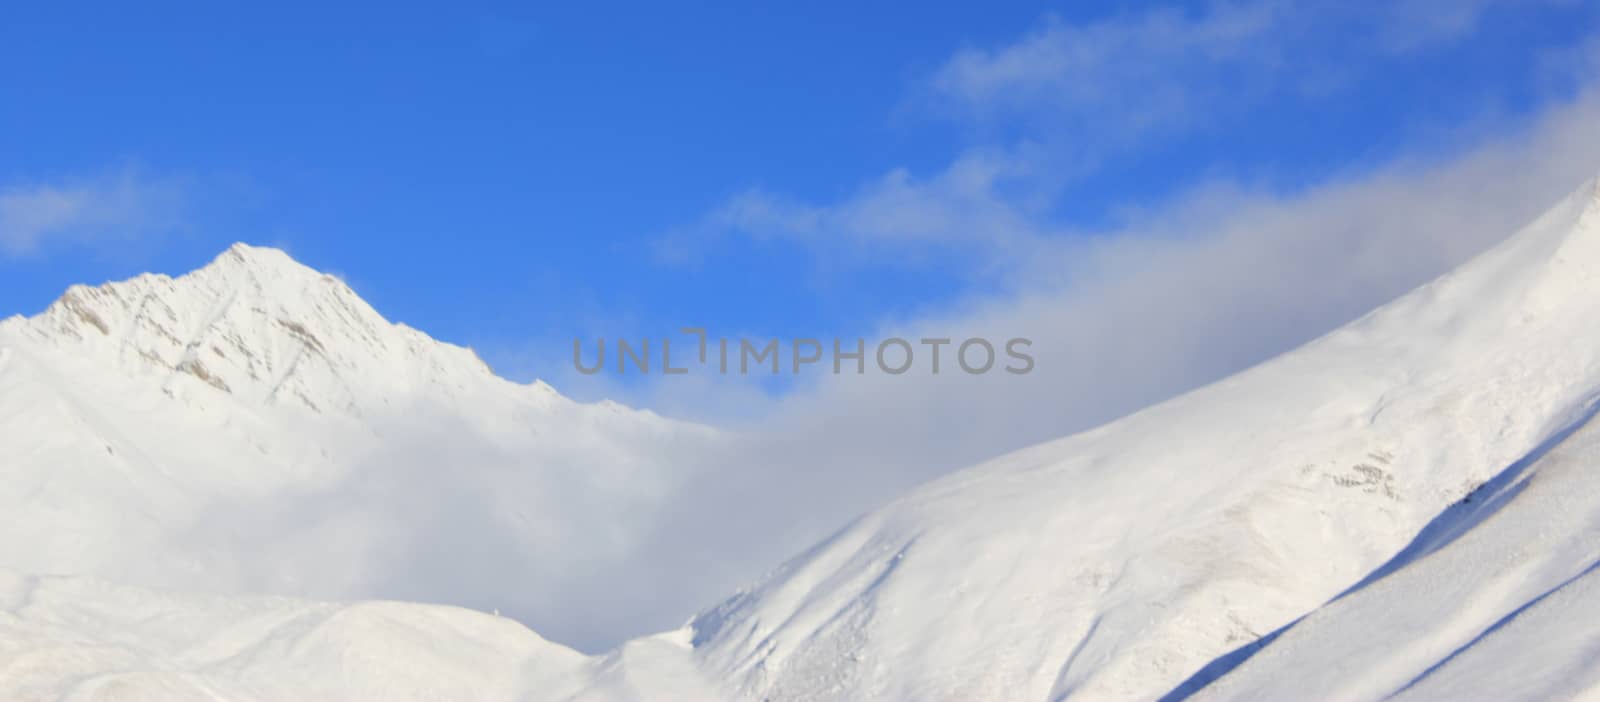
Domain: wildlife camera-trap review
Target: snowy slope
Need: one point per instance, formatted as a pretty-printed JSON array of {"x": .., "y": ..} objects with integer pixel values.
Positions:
[
  {"x": 1429, "y": 461},
  {"x": 1496, "y": 599},
  {"x": 254, "y": 426},
  {"x": 1117, "y": 563}
]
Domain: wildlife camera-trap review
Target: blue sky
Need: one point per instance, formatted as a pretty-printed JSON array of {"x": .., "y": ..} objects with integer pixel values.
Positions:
[{"x": 513, "y": 176}]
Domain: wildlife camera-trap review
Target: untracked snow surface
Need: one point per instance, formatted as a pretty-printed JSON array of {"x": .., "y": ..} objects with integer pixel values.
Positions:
[{"x": 1407, "y": 507}]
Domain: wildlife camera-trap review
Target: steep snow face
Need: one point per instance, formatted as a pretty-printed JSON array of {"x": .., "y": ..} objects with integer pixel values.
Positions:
[
  {"x": 1117, "y": 563},
  {"x": 255, "y": 426}
]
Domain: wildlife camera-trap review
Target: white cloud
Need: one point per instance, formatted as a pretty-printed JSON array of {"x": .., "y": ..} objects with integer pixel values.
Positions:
[{"x": 123, "y": 205}]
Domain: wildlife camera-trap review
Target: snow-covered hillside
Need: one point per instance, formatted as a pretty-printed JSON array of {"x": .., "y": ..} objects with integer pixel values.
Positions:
[
  {"x": 1405, "y": 505},
  {"x": 1117, "y": 563}
]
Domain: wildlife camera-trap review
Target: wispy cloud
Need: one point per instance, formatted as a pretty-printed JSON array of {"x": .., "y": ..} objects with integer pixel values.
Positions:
[
  {"x": 1142, "y": 72},
  {"x": 1075, "y": 96},
  {"x": 1164, "y": 69},
  {"x": 969, "y": 208},
  {"x": 119, "y": 206}
]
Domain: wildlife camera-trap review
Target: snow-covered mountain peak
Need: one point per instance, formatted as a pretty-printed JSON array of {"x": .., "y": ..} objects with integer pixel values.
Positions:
[
  {"x": 255, "y": 426},
  {"x": 254, "y": 324}
]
